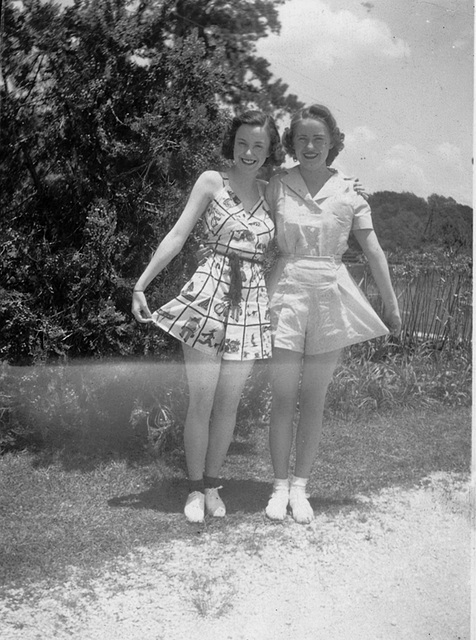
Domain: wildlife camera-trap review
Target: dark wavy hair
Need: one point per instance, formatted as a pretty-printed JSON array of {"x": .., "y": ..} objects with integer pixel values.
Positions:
[
  {"x": 255, "y": 119},
  {"x": 315, "y": 112}
]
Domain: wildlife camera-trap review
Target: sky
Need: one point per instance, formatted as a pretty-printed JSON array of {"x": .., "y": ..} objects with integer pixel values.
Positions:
[{"x": 398, "y": 77}]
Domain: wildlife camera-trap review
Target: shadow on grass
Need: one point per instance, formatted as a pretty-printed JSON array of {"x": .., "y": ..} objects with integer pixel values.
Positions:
[
  {"x": 240, "y": 496},
  {"x": 168, "y": 496},
  {"x": 240, "y": 448}
]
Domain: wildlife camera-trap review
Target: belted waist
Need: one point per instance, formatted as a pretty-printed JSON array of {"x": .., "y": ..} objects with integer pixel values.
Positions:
[
  {"x": 295, "y": 257},
  {"x": 232, "y": 253},
  {"x": 236, "y": 279}
]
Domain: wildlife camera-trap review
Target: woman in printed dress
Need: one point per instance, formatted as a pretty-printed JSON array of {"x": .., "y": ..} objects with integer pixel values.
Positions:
[
  {"x": 316, "y": 307},
  {"x": 221, "y": 316}
]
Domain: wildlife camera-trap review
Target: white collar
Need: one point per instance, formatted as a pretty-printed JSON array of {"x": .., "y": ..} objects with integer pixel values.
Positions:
[{"x": 294, "y": 180}]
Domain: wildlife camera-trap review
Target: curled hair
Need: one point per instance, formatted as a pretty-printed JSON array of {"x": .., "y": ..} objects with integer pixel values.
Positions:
[
  {"x": 254, "y": 119},
  {"x": 316, "y": 112}
]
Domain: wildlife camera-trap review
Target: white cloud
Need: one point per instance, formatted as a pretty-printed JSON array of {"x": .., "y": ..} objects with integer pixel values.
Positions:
[
  {"x": 359, "y": 136},
  {"x": 461, "y": 43},
  {"x": 405, "y": 167},
  {"x": 329, "y": 36},
  {"x": 343, "y": 35},
  {"x": 449, "y": 153}
]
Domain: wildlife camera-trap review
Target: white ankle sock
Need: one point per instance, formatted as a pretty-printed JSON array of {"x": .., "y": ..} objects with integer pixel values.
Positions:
[
  {"x": 280, "y": 483},
  {"x": 278, "y": 503},
  {"x": 300, "y": 506},
  {"x": 299, "y": 482}
]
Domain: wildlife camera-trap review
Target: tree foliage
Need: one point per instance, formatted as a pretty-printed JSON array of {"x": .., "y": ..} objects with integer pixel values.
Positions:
[
  {"x": 235, "y": 26},
  {"x": 109, "y": 110}
]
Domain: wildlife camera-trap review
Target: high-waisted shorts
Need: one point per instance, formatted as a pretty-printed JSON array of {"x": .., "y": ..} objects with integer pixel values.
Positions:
[{"x": 317, "y": 307}]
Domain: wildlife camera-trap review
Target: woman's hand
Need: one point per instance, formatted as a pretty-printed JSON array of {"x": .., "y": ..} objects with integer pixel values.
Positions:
[
  {"x": 140, "y": 310},
  {"x": 393, "y": 321},
  {"x": 360, "y": 189}
]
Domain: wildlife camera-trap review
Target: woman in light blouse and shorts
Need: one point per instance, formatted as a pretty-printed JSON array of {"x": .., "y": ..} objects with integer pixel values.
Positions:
[{"x": 316, "y": 307}]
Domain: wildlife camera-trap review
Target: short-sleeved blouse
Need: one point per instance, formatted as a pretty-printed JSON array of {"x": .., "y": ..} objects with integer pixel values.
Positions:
[{"x": 318, "y": 226}]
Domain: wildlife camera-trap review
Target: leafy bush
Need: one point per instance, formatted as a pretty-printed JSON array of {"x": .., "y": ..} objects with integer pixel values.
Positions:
[
  {"x": 77, "y": 228},
  {"x": 97, "y": 407},
  {"x": 381, "y": 376},
  {"x": 110, "y": 110},
  {"x": 127, "y": 406}
]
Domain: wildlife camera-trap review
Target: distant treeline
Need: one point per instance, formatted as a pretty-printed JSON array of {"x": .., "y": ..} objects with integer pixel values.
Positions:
[{"x": 404, "y": 222}]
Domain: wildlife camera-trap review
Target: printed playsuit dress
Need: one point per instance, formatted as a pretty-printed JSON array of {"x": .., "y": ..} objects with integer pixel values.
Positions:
[
  {"x": 316, "y": 306},
  {"x": 223, "y": 309}
]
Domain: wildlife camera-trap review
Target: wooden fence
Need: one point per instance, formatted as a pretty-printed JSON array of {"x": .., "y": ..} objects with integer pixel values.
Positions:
[{"x": 435, "y": 304}]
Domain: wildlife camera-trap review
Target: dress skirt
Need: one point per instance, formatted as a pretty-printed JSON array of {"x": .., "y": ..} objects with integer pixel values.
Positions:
[{"x": 205, "y": 317}]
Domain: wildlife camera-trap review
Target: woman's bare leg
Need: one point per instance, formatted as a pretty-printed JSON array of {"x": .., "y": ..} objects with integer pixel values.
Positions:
[
  {"x": 316, "y": 377},
  {"x": 203, "y": 373},
  {"x": 285, "y": 374},
  {"x": 233, "y": 376}
]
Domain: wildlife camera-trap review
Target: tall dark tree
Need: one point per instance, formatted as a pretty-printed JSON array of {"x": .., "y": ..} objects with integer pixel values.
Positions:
[
  {"x": 234, "y": 27},
  {"x": 109, "y": 110}
]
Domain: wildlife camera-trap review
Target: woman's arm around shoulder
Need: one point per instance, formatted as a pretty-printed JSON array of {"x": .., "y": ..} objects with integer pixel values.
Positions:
[
  {"x": 273, "y": 188},
  {"x": 381, "y": 274}
]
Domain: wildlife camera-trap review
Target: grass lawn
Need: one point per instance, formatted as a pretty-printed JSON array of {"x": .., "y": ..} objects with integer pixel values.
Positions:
[{"x": 59, "y": 513}]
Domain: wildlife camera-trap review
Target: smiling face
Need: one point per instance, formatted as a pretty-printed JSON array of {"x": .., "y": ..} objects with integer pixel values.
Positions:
[
  {"x": 312, "y": 143},
  {"x": 251, "y": 147}
]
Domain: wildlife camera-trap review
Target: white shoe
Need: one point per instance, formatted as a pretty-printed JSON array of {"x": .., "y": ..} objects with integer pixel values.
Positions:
[
  {"x": 214, "y": 505},
  {"x": 194, "y": 509},
  {"x": 301, "y": 508},
  {"x": 277, "y": 506}
]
